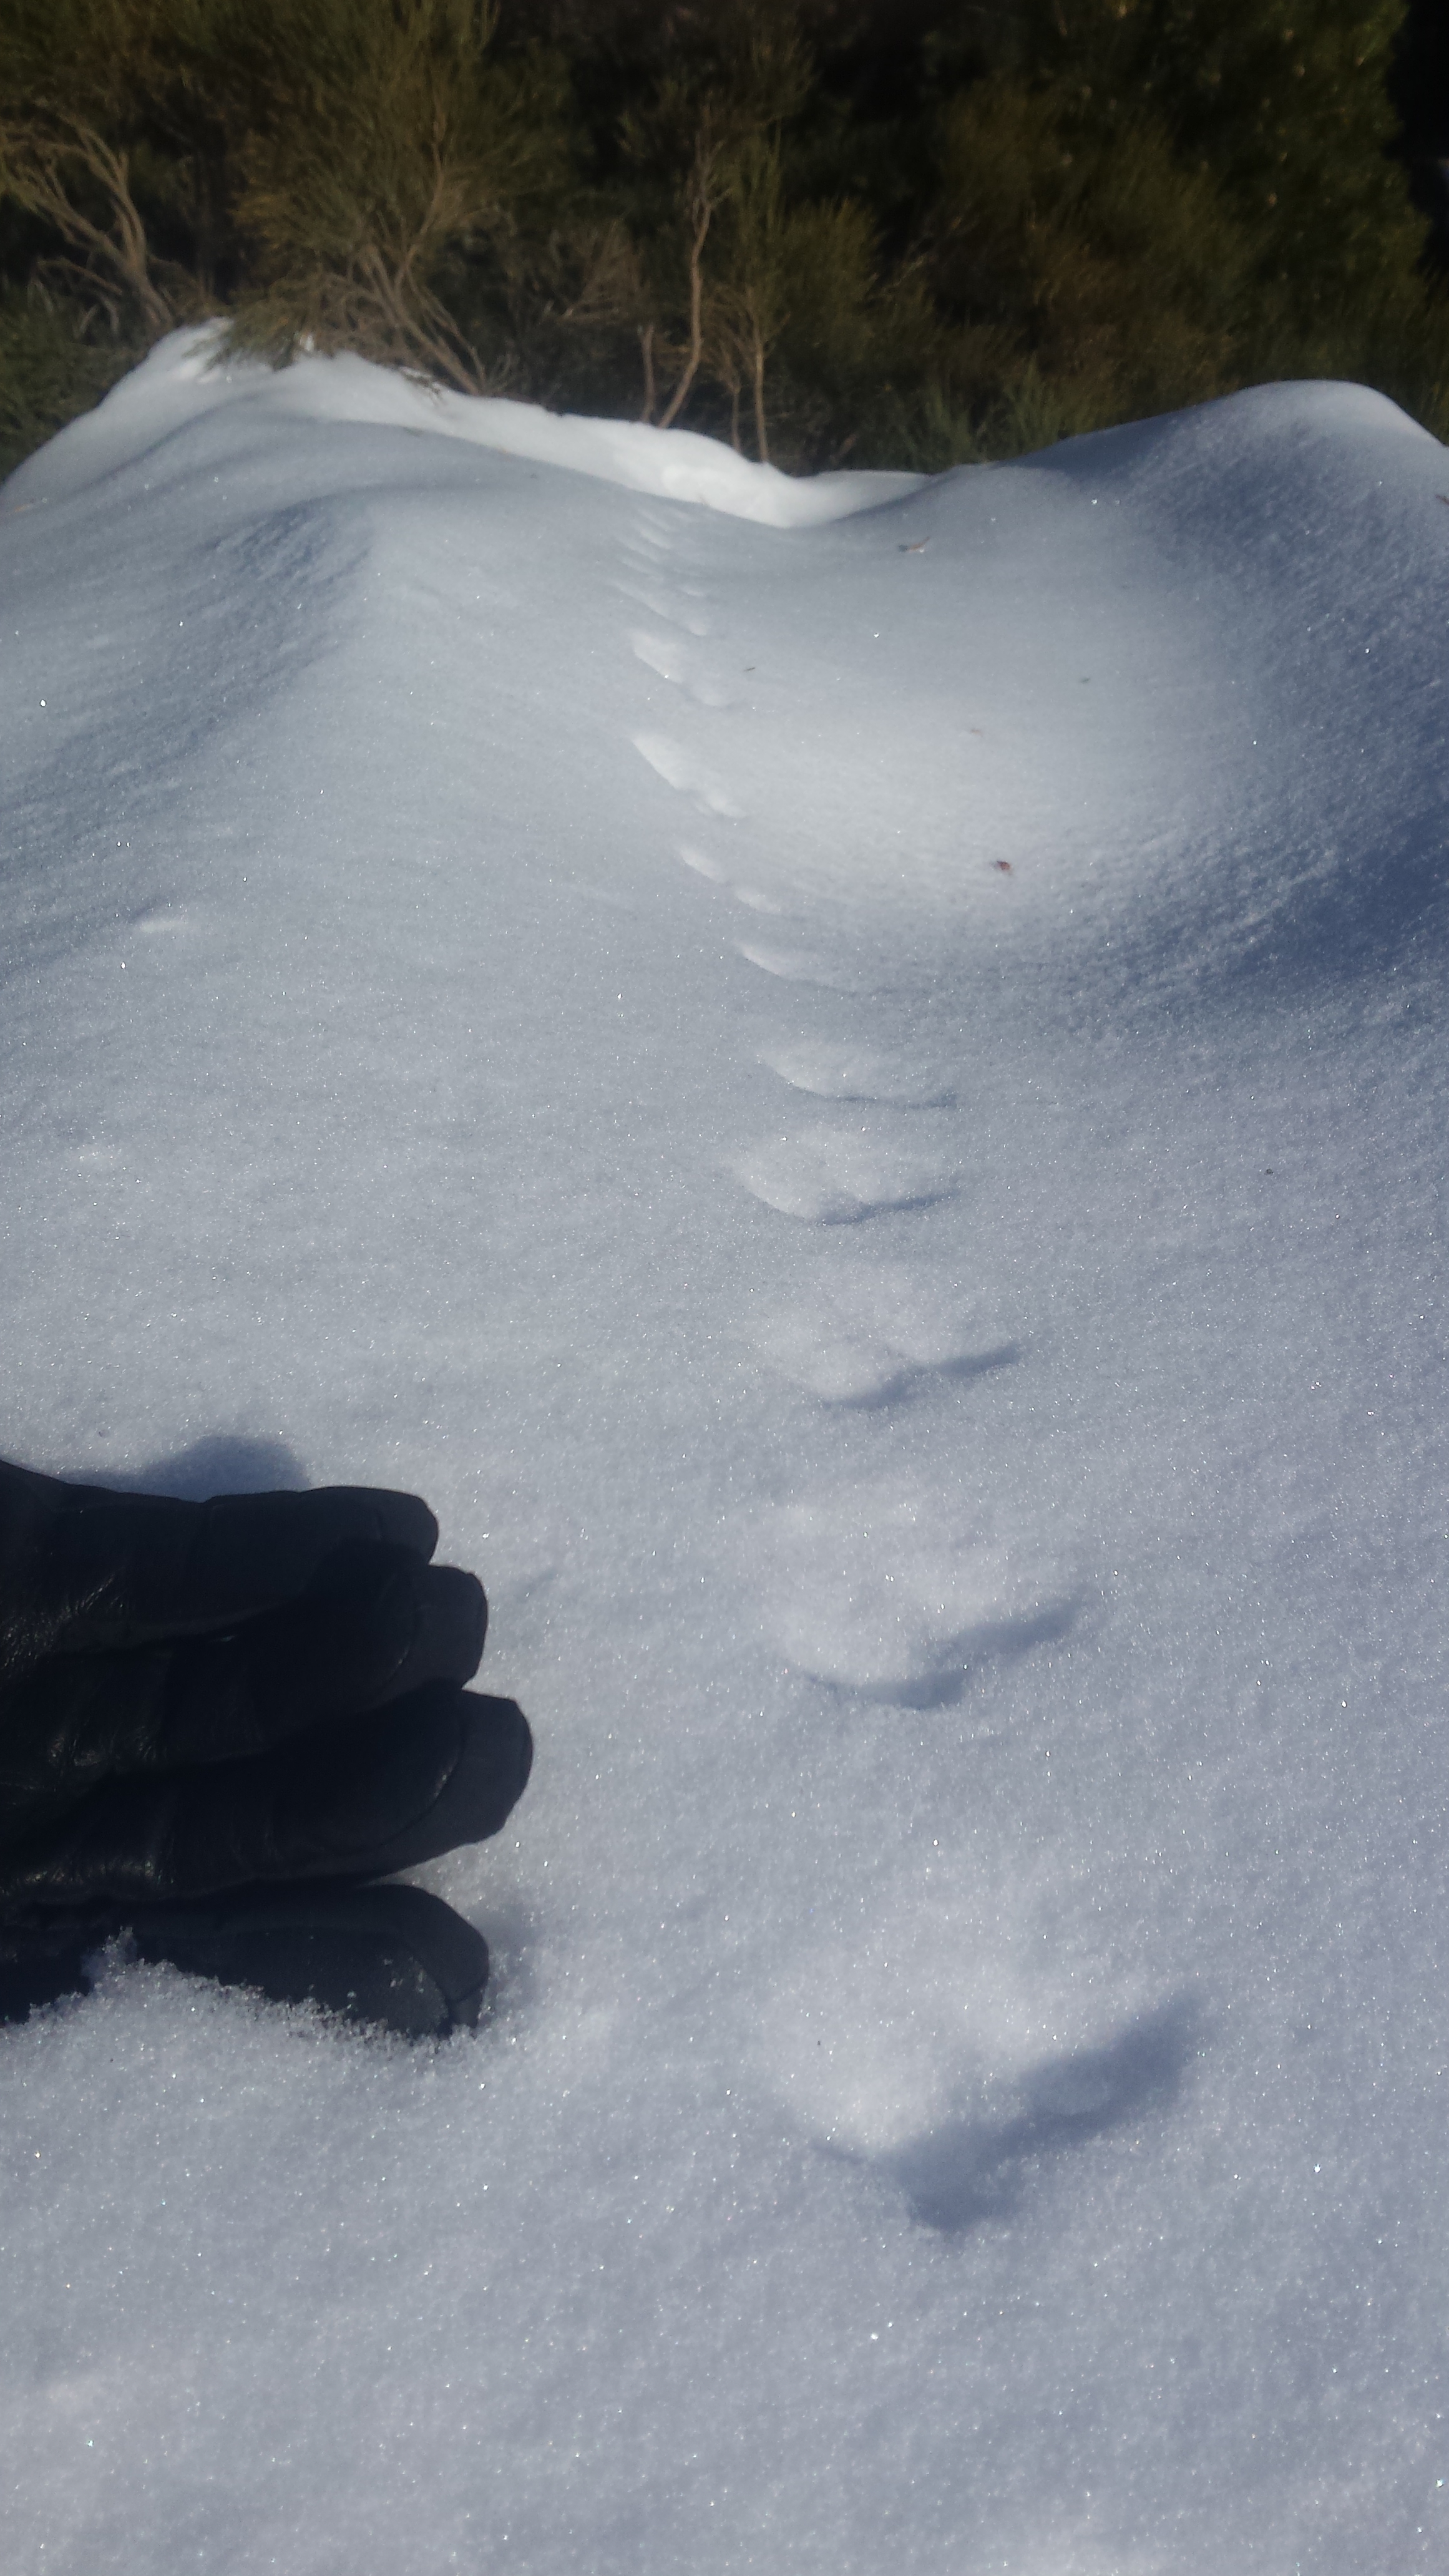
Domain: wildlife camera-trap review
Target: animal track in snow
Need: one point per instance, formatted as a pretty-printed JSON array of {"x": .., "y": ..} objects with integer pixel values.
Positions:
[
  {"x": 800, "y": 966},
  {"x": 968, "y": 2167},
  {"x": 680, "y": 769},
  {"x": 658, "y": 605},
  {"x": 669, "y": 659},
  {"x": 659, "y": 653},
  {"x": 854, "y": 1073},
  {"x": 875, "y": 1332},
  {"x": 827, "y": 1177},
  {"x": 890, "y": 1301},
  {"x": 704, "y": 866},
  {"x": 815, "y": 1352},
  {"x": 893, "y": 1592},
  {"x": 162, "y": 921}
]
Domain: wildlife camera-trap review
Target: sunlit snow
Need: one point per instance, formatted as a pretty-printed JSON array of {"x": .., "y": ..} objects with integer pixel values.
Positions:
[{"x": 851, "y": 1078}]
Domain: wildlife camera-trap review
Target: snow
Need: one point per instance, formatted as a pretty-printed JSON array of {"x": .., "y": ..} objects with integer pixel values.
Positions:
[
  {"x": 852, "y": 1081},
  {"x": 188, "y": 376}
]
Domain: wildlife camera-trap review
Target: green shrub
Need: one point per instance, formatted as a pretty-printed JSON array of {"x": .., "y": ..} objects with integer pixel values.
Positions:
[
  {"x": 57, "y": 357},
  {"x": 822, "y": 230},
  {"x": 388, "y": 138}
]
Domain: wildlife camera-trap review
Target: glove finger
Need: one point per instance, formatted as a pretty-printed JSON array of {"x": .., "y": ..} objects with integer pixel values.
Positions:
[
  {"x": 390, "y": 1626},
  {"x": 83, "y": 1570},
  {"x": 41, "y": 1962},
  {"x": 355, "y": 1800},
  {"x": 394, "y": 1956},
  {"x": 334, "y": 1655}
]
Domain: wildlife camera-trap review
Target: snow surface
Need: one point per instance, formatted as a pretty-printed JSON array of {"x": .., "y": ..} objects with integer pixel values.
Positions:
[{"x": 852, "y": 1081}]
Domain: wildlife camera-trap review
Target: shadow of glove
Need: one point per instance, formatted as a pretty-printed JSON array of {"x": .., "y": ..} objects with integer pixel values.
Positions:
[{"x": 218, "y": 1719}]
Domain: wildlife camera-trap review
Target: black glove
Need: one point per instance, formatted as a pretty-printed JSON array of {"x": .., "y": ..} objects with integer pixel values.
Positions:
[{"x": 218, "y": 1719}]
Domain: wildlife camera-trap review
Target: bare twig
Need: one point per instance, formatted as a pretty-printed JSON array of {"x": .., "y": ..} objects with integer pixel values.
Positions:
[
  {"x": 45, "y": 164},
  {"x": 701, "y": 201}
]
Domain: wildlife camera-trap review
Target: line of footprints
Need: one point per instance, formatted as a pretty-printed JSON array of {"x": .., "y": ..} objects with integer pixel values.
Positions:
[{"x": 889, "y": 1586}]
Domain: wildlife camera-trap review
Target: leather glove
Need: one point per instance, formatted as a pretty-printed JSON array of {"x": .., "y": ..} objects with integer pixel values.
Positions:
[{"x": 219, "y": 1720}]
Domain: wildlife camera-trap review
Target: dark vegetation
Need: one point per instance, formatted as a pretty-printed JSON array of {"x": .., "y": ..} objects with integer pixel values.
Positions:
[{"x": 900, "y": 232}]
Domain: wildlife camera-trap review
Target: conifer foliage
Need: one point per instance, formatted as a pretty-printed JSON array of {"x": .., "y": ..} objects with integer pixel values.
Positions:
[
  {"x": 903, "y": 231},
  {"x": 383, "y": 138}
]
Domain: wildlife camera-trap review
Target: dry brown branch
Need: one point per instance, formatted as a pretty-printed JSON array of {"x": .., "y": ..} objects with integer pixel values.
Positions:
[
  {"x": 49, "y": 164},
  {"x": 702, "y": 198}
]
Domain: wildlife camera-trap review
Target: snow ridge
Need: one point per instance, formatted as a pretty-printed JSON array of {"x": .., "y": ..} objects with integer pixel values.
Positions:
[{"x": 852, "y": 1082}]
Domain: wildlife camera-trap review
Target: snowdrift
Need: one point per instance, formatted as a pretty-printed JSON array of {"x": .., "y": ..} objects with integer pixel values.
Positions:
[{"x": 851, "y": 1079}]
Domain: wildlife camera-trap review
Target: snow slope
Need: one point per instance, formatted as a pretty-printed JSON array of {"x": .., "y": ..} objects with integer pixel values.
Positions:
[{"x": 853, "y": 1083}]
